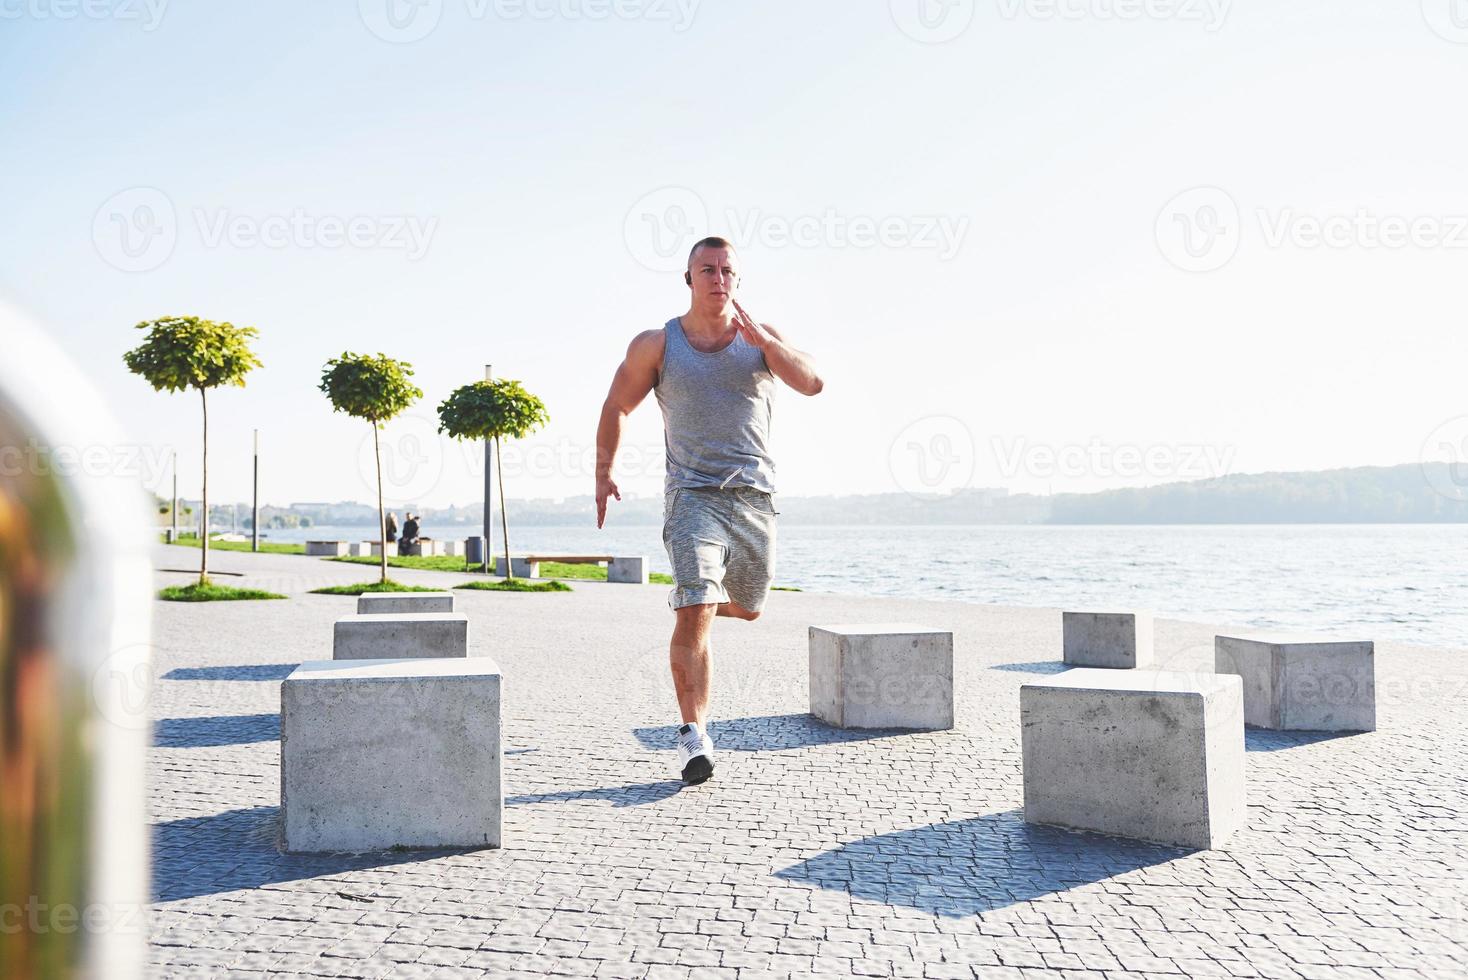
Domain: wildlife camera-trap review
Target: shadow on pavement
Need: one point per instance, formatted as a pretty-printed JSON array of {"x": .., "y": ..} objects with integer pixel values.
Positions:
[
  {"x": 1039, "y": 667},
  {"x": 236, "y": 849},
  {"x": 766, "y": 733},
  {"x": 232, "y": 672},
  {"x": 634, "y": 794},
  {"x": 1269, "y": 740},
  {"x": 968, "y": 867},
  {"x": 193, "y": 733}
]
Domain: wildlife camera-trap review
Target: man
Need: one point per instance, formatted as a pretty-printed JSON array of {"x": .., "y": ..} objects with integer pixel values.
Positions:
[
  {"x": 409, "y": 543},
  {"x": 714, "y": 371}
]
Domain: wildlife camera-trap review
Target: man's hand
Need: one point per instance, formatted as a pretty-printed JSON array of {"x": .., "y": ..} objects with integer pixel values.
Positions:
[
  {"x": 604, "y": 488},
  {"x": 791, "y": 366},
  {"x": 754, "y": 332}
]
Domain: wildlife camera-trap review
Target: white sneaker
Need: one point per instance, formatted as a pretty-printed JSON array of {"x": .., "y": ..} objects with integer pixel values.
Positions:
[{"x": 695, "y": 753}]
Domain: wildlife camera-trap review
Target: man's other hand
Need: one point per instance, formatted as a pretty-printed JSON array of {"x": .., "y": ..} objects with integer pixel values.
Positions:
[{"x": 604, "y": 488}]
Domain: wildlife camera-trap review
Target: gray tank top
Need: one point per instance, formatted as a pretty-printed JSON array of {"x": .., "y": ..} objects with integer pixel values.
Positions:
[{"x": 716, "y": 414}]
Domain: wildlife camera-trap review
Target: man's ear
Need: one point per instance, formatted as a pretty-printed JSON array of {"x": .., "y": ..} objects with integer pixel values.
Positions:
[{"x": 688, "y": 278}]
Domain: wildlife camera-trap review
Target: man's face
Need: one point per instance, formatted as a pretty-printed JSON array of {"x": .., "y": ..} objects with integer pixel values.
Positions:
[{"x": 715, "y": 273}]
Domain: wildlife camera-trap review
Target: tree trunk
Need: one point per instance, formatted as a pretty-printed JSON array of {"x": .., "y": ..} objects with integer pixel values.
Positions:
[
  {"x": 499, "y": 469},
  {"x": 381, "y": 519},
  {"x": 204, "y": 496}
]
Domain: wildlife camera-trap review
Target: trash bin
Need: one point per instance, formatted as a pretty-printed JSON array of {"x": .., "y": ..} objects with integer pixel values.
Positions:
[{"x": 474, "y": 551}]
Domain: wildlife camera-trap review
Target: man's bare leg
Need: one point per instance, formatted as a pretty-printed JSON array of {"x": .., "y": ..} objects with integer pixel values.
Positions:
[
  {"x": 688, "y": 655},
  {"x": 737, "y": 611}
]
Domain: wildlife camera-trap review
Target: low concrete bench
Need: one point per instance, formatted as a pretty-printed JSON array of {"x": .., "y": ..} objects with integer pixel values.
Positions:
[
  {"x": 377, "y": 636},
  {"x": 627, "y": 569},
  {"x": 1152, "y": 755},
  {"x": 882, "y": 675},
  {"x": 405, "y": 602},
  {"x": 376, "y": 754},
  {"x": 1108, "y": 639},
  {"x": 319, "y": 549},
  {"x": 1302, "y": 683}
]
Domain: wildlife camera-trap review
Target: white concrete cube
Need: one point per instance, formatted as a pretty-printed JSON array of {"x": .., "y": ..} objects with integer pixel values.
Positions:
[
  {"x": 628, "y": 569},
  {"x": 521, "y": 567},
  {"x": 378, "y": 754},
  {"x": 1108, "y": 639},
  {"x": 882, "y": 675},
  {"x": 430, "y": 547},
  {"x": 1153, "y": 755},
  {"x": 405, "y": 602},
  {"x": 359, "y": 548},
  {"x": 320, "y": 549},
  {"x": 454, "y": 549},
  {"x": 374, "y": 548},
  {"x": 378, "y": 636},
  {"x": 1302, "y": 683}
]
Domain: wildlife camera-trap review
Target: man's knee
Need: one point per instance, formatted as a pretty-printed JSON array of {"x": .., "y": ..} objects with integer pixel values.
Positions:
[
  {"x": 697, "y": 614},
  {"x": 737, "y": 611}
]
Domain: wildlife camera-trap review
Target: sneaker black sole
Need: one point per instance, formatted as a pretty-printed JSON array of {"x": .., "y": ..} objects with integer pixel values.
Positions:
[{"x": 698, "y": 770}]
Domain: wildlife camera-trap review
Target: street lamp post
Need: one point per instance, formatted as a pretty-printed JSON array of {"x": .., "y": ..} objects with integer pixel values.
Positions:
[
  {"x": 255, "y": 500},
  {"x": 488, "y": 482}
]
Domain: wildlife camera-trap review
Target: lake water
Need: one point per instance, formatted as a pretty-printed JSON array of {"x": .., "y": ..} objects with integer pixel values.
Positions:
[{"x": 1387, "y": 582}]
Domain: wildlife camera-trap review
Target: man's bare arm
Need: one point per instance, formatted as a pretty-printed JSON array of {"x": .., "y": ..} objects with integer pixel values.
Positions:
[
  {"x": 796, "y": 368},
  {"x": 635, "y": 377}
]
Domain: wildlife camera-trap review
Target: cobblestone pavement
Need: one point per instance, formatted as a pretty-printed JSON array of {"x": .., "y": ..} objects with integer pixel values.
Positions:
[{"x": 813, "y": 850}]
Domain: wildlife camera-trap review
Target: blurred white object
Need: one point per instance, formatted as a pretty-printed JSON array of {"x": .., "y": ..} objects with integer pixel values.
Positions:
[{"x": 74, "y": 673}]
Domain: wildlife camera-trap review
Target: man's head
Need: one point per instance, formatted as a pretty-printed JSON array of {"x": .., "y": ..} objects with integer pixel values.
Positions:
[{"x": 713, "y": 272}]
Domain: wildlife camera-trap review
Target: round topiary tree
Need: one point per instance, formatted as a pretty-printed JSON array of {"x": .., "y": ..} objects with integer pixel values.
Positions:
[
  {"x": 375, "y": 389},
  {"x": 182, "y": 352},
  {"x": 493, "y": 410}
]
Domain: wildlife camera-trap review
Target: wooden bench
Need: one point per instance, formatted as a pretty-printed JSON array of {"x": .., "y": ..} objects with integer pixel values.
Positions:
[{"x": 619, "y": 568}]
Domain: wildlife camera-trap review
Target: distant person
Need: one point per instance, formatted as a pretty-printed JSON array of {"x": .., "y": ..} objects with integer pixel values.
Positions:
[
  {"x": 714, "y": 371},
  {"x": 409, "y": 541},
  {"x": 392, "y": 526}
]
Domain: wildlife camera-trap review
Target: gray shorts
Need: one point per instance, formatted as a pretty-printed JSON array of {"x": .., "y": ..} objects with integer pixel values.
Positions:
[{"x": 721, "y": 544}]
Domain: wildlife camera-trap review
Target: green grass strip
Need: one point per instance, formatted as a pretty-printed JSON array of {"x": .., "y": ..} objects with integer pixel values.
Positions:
[
  {"x": 357, "y": 588},
  {"x": 266, "y": 547},
  {"x": 209, "y": 592},
  {"x": 516, "y": 585}
]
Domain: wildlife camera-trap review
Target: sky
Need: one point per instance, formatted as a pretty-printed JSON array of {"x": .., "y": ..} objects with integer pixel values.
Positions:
[{"x": 1046, "y": 245}]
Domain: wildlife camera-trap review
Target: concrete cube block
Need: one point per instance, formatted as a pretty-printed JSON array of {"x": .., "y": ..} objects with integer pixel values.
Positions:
[
  {"x": 1302, "y": 683},
  {"x": 453, "y": 549},
  {"x": 430, "y": 547},
  {"x": 628, "y": 569},
  {"x": 378, "y": 754},
  {"x": 520, "y": 566},
  {"x": 1108, "y": 639},
  {"x": 405, "y": 602},
  {"x": 377, "y": 636},
  {"x": 1153, "y": 755},
  {"x": 320, "y": 549},
  {"x": 374, "y": 548},
  {"x": 359, "y": 548},
  {"x": 882, "y": 675}
]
